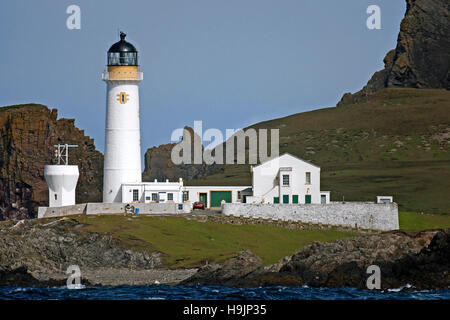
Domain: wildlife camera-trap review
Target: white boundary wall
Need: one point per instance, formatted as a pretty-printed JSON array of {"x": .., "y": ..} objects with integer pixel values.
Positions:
[
  {"x": 113, "y": 208},
  {"x": 350, "y": 214}
]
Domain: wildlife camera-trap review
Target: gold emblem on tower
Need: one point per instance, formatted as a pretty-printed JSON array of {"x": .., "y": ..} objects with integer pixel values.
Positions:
[{"x": 122, "y": 97}]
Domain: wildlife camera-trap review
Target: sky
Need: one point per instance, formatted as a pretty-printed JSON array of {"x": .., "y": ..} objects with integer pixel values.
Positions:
[{"x": 227, "y": 63}]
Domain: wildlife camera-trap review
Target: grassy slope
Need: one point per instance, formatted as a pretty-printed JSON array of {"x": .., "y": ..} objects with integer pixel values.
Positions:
[
  {"x": 420, "y": 221},
  {"x": 397, "y": 143},
  {"x": 190, "y": 243}
]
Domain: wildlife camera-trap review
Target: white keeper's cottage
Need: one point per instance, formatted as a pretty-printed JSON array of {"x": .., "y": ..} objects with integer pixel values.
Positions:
[{"x": 287, "y": 179}]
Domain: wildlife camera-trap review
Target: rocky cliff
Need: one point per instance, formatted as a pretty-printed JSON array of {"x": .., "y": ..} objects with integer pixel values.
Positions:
[
  {"x": 158, "y": 163},
  {"x": 28, "y": 135},
  {"x": 422, "y": 56}
]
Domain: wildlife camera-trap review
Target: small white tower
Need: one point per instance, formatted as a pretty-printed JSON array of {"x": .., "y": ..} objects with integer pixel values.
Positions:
[
  {"x": 122, "y": 163},
  {"x": 61, "y": 178}
]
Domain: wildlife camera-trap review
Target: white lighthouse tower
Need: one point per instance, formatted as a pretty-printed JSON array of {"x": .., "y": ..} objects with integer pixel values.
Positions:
[{"x": 122, "y": 163}]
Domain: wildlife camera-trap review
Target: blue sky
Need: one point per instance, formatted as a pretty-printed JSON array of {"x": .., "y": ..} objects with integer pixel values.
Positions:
[{"x": 228, "y": 63}]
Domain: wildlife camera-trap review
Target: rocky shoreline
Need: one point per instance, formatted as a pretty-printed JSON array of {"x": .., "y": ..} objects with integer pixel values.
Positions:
[
  {"x": 421, "y": 260},
  {"x": 37, "y": 253}
]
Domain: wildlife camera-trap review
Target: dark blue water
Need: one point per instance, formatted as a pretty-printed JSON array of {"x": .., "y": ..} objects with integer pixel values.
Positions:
[{"x": 213, "y": 293}]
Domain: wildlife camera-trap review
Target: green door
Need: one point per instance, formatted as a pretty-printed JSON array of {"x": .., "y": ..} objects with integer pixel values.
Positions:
[
  {"x": 204, "y": 198},
  {"x": 276, "y": 199},
  {"x": 308, "y": 198},
  {"x": 295, "y": 198},
  {"x": 285, "y": 198},
  {"x": 218, "y": 196}
]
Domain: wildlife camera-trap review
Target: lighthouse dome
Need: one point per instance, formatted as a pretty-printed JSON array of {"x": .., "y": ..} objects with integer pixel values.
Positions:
[{"x": 122, "y": 53}]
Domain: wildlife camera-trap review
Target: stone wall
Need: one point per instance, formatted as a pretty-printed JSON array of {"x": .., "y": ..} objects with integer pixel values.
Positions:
[
  {"x": 113, "y": 208},
  {"x": 350, "y": 214},
  {"x": 47, "y": 212}
]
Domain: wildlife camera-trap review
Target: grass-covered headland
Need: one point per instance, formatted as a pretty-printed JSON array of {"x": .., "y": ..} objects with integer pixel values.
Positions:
[{"x": 191, "y": 243}]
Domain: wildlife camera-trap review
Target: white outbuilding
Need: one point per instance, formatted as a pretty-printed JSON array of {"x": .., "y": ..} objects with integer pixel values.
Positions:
[{"x": 287, "y": 179}]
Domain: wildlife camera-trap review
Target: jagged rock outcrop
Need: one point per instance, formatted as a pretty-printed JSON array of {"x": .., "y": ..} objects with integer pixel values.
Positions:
[
  {"x": 422, "y": 56},
  {"x": 45, "y": 248},
  {"x": 235, "y": 268},
  {"x": 420, "y": 259},
  {"x": 158, "y": 163},
  {"x": 28, "y": 135}
]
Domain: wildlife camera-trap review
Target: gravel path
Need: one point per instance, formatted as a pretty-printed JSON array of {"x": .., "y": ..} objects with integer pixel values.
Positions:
[{"x": 123, "y": 276}]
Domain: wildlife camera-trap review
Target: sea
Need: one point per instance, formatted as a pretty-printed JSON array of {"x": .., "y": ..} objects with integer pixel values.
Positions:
[{"x": 179, "y": 292}]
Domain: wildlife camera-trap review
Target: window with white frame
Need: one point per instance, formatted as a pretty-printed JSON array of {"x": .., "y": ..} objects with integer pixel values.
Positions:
[
  {"x": 308, "y": 177},
  {"x": 135, "y": 195},
  {"x": 285, "y": 180},
  {"x": 170, "y": 197},
  {"x": 154, "y": 197},
  {"x": 185, "y": 196}
]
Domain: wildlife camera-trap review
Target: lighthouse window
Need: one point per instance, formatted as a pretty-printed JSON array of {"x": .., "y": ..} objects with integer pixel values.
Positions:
[
  {"x": 122, "y": 58},
  {"x": 135, "y": 195}
]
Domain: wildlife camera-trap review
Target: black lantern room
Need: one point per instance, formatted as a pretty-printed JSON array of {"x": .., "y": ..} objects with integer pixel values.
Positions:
[{"x": 122, "y": 53}]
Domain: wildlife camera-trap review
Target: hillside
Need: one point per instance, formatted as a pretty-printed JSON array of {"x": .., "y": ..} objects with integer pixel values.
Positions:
[
  {"x": 28, "y": 135},
  {"x": 396, "y": 143},
  {"x": 389, "y": 138}
]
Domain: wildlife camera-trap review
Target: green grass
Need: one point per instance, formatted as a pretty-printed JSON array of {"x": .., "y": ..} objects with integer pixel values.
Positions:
[
  {"x": 395, "y": 143},
  {"x": 190, "y": 243},
  {"x": 421, "y": 221}
]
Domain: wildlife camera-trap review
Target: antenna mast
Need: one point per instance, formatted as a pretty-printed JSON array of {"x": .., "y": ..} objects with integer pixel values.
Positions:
[{"x": 62, "y": 152}]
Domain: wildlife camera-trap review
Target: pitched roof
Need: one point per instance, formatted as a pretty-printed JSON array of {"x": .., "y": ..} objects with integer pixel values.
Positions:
[{"x": 284, "y": 154}]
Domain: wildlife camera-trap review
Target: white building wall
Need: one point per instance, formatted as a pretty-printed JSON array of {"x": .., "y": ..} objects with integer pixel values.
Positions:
[
  {"x": 146, "y": 189},
  {"x": 194, "y": 192},
  {"x": 267, "y": 180}
]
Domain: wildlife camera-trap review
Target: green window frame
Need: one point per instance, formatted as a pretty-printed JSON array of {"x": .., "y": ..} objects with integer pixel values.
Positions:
[
  {"x": 276, "y": 199},
  {"x": 295, "y": 198},
  {"x": 285, "y": 198}
]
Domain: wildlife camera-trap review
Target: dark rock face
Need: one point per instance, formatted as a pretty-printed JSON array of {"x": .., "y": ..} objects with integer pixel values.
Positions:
[
  {"x": 22, "y": 278},
  {"x": 28, "y": 135},
  {"x": 422, "y": 56},
  {"x": 228, "y": 273},
  {"x": 346, "y": 260},
  {"x": 428, "y": 269},
  {"x": 158, "y": 163},
  {"x": 46, "y": 248},
  {"x": 421, "y": 259}
]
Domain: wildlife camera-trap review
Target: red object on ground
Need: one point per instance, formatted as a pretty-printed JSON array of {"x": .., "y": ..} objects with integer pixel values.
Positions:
[{"x": 199, "y": 205}]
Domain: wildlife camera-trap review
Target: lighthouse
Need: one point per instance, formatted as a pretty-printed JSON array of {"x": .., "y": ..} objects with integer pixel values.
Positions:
[{"x": 122, "y": 162}]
